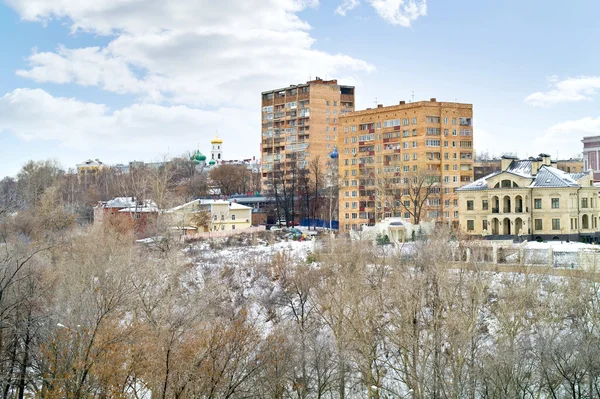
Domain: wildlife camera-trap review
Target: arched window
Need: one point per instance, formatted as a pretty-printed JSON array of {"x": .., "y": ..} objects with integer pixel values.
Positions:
[{"x": 585, "y": 223}]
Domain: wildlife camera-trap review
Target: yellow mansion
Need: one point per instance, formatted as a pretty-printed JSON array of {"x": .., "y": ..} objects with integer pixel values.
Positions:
[{"x": 533, "y": 200}]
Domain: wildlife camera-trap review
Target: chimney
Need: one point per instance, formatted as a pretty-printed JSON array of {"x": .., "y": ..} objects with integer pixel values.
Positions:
[
  {"x": 536, "y": 163},
  {"x": 505, "y": 161},
  {"x": 402, "y": 102},
  {"x": 379, "y": 105},
  {"x": 432, "y": 100},
  {"x": 546, "y": 159}
]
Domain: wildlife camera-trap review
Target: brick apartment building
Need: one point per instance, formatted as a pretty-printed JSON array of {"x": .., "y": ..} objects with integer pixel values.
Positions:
[
  {"x": 299, "y": 124},
  {"x": 382, "y": 150}
]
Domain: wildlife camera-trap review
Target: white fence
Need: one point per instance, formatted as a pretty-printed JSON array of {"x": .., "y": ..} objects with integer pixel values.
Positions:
[{"x": 225, "y": 233}]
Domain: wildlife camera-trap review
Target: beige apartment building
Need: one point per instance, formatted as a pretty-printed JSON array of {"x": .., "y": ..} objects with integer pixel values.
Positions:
[
  {"x": 384, "y": 151},
  {"x": 301, "y": 123},
  {"x": 531, "y": 199}
]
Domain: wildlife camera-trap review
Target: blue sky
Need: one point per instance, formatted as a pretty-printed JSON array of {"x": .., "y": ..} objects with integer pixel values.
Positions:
[{"x": 141, "y": 80}]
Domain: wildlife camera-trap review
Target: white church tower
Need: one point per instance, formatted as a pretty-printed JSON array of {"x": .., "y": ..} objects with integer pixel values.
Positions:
[{"x": 217, "y": 150}]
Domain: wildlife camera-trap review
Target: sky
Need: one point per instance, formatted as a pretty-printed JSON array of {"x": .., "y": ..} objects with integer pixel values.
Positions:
[{"x": 126, "y": 80}]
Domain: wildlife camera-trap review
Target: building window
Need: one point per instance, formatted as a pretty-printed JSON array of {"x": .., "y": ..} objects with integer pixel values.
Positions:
[
  {"x": 232, "y": 217},
  {"x": 215, "y": 218},
  {"x": 446, "y": 120},
  {"x": 484, "y": 205},
  {"x": 537, "y": 203},
  {"x": 584, "y": 202},
  {"x": 138, "y": 215},
  {"x": 470, "y": 206},
  {"x": 555, "y": 203},
  {"x": 405, "y": 122},
  {"x": 555, "y": 224},
  {"x": 327, "y": 102},
  {"x": 414, "y": 132},
  {"x": 470, "y": 225},
  {"x": 233, "y": 227},
  {"x": 538, "y": 224},
  {"x": 414, "y": 121},
  {"x": 484, "y": 225}
]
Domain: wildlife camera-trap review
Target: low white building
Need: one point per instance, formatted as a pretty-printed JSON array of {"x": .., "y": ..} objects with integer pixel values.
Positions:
[
  {"x": 221, "y": 215},
  {"x": 398, "y": 230}
]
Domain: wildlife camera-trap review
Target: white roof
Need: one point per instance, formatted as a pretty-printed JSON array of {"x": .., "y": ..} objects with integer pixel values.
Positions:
[
  {"x": 231, "y": 204},
  {"x": 130, "y": 202}
]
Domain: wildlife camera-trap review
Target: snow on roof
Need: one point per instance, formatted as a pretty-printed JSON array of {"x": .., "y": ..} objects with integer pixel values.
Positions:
[
  {"x": 547, "y": 176},
  {"x": 232, "y": 205},
  {"x": 128, "y": 202}
]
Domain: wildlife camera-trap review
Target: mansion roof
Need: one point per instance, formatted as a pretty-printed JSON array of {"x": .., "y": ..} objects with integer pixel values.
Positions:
[{"x": 547, "y": 176}]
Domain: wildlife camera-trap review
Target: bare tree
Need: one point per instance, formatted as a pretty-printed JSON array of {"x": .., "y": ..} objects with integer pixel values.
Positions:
[{"x": 417, "y": 188}]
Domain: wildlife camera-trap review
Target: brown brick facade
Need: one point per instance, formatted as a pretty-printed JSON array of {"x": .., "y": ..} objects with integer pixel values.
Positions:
[{"x": 383, "y": 147}]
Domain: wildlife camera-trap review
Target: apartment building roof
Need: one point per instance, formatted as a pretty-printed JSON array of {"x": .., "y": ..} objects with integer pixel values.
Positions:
[
  {"x": 403, "y": 105},
  {"x": 546, "y": 176}
]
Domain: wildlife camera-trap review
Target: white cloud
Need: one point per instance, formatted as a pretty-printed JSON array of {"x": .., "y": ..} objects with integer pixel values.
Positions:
[
  {"x": 197, "y": 53},
  {"x": 347, "y": 5},
  {"x": 400, "y": 12},
  {"x": 35, "y": 115},
  {"x": 566, "y": 136},
  {"x": 569, "y": 90},
  {"x": 584, "y": 126}
]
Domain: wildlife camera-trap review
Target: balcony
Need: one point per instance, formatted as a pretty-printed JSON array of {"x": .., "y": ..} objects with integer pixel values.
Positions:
[{"x": 347, "y": 98}]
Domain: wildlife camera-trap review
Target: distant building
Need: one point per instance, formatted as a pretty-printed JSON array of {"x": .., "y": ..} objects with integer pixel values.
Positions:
[
  {"x": 217, "y": 158},
  {"x": 531, "y": 199},
  {"x": 90, "y": 167},
  {"x": 211, "y": 215},
  {"x": 127, "y": 214},
  {"x": 484, "y": 167},
  {"x": 591, "y": 155}
]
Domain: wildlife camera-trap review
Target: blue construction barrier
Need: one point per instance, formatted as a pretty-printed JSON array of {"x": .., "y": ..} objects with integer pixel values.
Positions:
[{"x": 306, "y": 222}]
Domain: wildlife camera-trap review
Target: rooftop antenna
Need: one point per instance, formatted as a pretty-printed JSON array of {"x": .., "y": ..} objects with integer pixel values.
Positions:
[
  {"x": 413, "y": 97},
  {"x": 376, "y": 103}
]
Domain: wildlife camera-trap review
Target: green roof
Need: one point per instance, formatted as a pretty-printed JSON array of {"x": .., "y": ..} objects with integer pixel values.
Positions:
[{"x": 198, "y": 157}]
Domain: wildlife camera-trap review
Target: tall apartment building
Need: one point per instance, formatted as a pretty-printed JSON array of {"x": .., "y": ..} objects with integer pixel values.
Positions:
[
  {"x": 299, "y": 124},
  {"x": 390, "y": 156}
]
